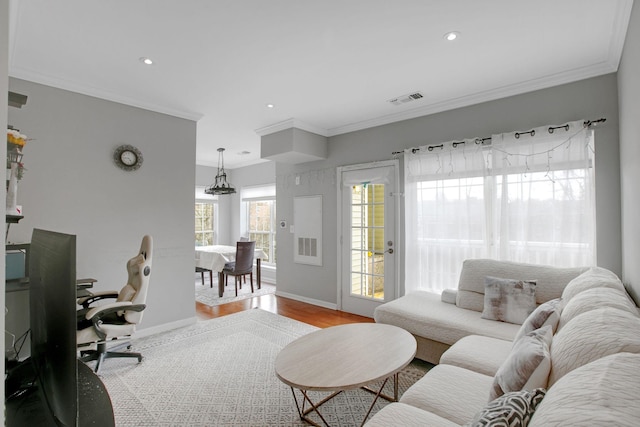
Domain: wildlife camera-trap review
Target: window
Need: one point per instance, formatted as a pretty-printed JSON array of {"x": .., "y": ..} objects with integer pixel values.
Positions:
[
  {"x": 524, "y": 199},
  {"x": 367, "y": 240},
  {"x": 206, "y": 218},
  {"x": 259, "y": 206}
]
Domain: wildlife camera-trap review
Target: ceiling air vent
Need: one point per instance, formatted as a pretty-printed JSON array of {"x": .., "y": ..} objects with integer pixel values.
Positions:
[{"x": 401, "y": 100}]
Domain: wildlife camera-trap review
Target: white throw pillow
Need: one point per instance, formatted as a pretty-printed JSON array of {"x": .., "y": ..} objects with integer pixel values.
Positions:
[
  {"x": 545, "y": 314},
  {"x": 508, "y": 300},
  {"x": 527, "y": 366}
]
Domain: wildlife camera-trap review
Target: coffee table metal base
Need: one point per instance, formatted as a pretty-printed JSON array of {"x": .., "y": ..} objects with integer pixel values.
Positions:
[{"x": 304, "y": 412}]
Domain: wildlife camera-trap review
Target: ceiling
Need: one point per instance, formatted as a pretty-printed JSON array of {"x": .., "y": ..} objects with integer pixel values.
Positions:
[{"x": 327, "y": 66}]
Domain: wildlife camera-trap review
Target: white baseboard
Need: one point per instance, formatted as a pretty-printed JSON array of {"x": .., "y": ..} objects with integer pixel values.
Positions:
[
  {"x": 165, "y": 327},
  {"x": 268, "y": 274},
  {"x": 307, "y": 300},
  {"x": 269, "y": 280}
]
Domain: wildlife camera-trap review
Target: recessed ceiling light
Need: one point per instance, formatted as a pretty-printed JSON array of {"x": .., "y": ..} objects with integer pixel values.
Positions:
[
  {"x": 452, "y": 35},
  {"x": 270, "y": 106},
  {"x": 244, "y": 153},
  {"x": 146, "y": 61}
]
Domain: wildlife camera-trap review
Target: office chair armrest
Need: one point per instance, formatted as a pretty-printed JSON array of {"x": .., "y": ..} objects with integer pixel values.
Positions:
[
  {"x": 97, "y": 313},
  {"x": 96, "y": 296}
]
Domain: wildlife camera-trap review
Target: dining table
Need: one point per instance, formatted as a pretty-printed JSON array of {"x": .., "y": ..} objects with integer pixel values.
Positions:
[{"x": 214, "y": 257}]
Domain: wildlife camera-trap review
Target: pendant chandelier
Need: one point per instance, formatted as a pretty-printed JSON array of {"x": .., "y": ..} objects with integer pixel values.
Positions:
[{"x": 221, "y": 185}]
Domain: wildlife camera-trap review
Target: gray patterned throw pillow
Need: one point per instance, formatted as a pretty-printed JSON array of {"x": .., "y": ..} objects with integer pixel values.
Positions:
[
  {"x": 508, "y": 300},
  {"x": 513, "y": 409}
]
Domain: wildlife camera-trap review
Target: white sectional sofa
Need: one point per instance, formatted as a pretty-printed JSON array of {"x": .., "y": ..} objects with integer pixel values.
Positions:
[
  {"x": 575, "y": 360},
  {"x": 439, "y": 321}
]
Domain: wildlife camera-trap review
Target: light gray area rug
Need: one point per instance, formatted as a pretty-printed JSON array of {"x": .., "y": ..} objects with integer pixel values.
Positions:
[
  {"x": 209, "y": 296},
  {"x": 220, "y": 372}
]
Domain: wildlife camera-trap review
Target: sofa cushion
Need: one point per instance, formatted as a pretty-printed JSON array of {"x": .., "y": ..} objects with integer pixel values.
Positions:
[
  {"x": 513, "y": 409},
  {"x": 602, "y": 393},
  {"x": 450, "y": 392},
  {"x": 508, "y": 300},
  {"x": 478, "y": 353},
  {"x": 449, "y": 296},
  {"x": 590, "y": 336},
  {"x": 527, "y": 366},
  {"x": 400, "y": 414},
  {"x": 550, "y": 280},
  {"x": 545, "y": 314},
  {"x": 592, "y": 299},
  {"x": 423, "y": 314},
  {"x": 594, "y": 277}
]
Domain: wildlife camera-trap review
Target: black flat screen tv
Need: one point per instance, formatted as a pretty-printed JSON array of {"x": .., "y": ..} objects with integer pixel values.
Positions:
[{"x": 52, "y": 304}]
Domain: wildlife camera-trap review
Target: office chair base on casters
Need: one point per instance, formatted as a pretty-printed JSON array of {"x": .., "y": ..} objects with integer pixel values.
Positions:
[{"x": 101, "y": 353}]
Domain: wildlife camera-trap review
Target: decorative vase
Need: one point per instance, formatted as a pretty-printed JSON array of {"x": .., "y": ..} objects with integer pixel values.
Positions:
[{"x": 12, "y": 190}]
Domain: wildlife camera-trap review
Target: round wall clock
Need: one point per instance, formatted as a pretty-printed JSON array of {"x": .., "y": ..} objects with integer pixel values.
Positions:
[{"x": 127, "y": 157}]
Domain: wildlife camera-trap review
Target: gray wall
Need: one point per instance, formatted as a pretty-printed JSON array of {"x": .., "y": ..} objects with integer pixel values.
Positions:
[
  {"x": 315, "y": 284},
  {"x": 587, "y": 99},
  {"x": 629, "y": 98},
  {"x": 72, "y": 185}
]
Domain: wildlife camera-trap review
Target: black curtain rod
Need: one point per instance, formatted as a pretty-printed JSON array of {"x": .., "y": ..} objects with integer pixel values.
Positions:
[{"x": 550, "y": 129}]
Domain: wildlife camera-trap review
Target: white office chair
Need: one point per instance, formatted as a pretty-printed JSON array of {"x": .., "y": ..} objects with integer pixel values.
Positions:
[{"x": 104, "y": 323}]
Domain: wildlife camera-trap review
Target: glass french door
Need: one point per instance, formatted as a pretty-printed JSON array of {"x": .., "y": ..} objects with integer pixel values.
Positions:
[{"x": 368, "y": 227}]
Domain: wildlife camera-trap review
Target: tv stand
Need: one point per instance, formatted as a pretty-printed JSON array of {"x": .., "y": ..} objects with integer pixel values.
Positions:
[{"x": 28, "y": 408}]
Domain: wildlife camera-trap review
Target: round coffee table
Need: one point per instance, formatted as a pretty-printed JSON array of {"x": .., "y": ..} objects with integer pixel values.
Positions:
[{"x": 343, "y": 358}]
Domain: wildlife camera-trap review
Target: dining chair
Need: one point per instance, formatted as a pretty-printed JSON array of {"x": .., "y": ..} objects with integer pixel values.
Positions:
[
  {"x": 202, "y": 271},
  {"x": 244, "y": 276},
  {"x": 242, "y": 265}
]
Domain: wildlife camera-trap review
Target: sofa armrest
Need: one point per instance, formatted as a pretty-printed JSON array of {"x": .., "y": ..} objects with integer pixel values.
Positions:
[{"x": 449, "y": 296}]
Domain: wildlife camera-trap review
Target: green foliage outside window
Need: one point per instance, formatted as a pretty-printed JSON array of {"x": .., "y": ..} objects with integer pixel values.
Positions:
[{"x": 204, "y": 226}]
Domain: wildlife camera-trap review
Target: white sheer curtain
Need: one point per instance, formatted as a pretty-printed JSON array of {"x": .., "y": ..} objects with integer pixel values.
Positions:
[
  {"x": 543, "y": 207},
  {"x": 445, "y": 218},
  {"x": 528, "y": 198}
]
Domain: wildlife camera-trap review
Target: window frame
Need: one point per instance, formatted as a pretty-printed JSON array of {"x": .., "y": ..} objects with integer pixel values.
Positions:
[
  {"x": 202, "y": 198},
  {"x": 260, "y": 193}
]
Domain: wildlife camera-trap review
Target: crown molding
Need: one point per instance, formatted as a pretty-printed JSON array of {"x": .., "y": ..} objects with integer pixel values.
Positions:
[
  {"x": 35, "y": 77},
  {"x": 480, "y": 97},
  {"x": 288, "y": 124}
]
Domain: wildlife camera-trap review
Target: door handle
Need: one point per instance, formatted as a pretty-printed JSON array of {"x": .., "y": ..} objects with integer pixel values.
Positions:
[{"x": 388, "y": 251}]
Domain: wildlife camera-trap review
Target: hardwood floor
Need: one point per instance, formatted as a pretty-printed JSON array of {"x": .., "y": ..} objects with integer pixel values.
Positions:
[{"x": 303, "y": 312}]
